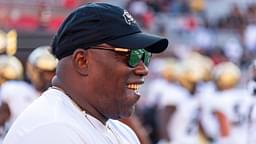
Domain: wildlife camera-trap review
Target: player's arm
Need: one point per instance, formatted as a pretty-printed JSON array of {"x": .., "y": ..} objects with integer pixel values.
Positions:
[
  {"x": 165, "y": 116},
  {"x": 223, "y": 123},
  {"x": 4, "y": 113}
]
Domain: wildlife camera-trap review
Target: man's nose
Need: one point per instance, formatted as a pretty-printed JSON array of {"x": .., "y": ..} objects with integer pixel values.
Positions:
[{"x": 141, "y": 69}]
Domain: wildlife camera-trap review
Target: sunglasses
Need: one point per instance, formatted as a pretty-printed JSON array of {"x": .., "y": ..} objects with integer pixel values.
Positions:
[{"x": 135, "y": 56}]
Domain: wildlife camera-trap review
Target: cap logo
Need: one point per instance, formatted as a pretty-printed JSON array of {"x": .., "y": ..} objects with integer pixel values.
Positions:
[{"x": 128, "y": 18}]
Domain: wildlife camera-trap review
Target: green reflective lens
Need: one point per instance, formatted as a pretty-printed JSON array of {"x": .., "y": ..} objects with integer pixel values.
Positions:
[
  {"x": 147, "y": 57},
  {"x": 137, "y": 55}
]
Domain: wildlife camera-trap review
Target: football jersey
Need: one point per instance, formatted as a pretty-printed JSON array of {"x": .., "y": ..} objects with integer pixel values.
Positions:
[
  {"x": 233, "y": 103},
  {"x": 252, "y": 112},
  {"x": 183, "y": 128},
  {"x": 156, "y": 90},
  {"x": 18, "y": 95},
  {"x": 206, "y": 96}
]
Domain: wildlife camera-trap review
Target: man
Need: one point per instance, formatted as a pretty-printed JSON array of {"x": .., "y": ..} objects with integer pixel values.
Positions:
[
  {"x": 102, "y": 62},
  {"x": 230, "y": 106},
  {"x": 180, "y": 111}
]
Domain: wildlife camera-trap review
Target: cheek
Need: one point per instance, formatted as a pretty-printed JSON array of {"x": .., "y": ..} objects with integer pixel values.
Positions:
[
  {"x": 116, "y": 81},
  {"x": 109, "y": 84},
  {"x": 116, "y": 98}
]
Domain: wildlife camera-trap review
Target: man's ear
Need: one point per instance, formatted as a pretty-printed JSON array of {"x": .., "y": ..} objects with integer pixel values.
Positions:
[{"x": 80, "y": 61}]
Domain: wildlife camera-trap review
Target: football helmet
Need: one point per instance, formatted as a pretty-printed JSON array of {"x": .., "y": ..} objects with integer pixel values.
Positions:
[
  {"x": 8, "y": 42},
  {"x": 2, "y": 41},
  {"x": 207, "y": 66},
  {"x": 226, "y": 75},
  {"x": 11, "y": 43},
  {"x": 190, "y": 73},
  {"x": 205, "y": 63},
  {"x": 10, "y": 68},
  {"x": 169, "y": 70},
  {"x": 40, "y": 62}
]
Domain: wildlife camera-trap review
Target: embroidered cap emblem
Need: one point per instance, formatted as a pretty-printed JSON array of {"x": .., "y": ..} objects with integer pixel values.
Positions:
[{"x": 128, "y": 18}]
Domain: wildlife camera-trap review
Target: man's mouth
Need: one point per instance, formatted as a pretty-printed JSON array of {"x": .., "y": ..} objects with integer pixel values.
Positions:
[{"x": 134, "y": 87}]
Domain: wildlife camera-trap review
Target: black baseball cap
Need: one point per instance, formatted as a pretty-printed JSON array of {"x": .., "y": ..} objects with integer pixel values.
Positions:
[{"x": 96, "y": 23}]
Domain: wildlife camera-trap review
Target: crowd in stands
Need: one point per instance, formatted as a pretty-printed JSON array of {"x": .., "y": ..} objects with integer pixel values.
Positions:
[
  {"x": 185, "y": 22},
  {"x": 228, "y": 38}
]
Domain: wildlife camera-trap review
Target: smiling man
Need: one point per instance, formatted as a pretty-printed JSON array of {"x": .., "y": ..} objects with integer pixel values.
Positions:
[{"x": 103, "y": 58}]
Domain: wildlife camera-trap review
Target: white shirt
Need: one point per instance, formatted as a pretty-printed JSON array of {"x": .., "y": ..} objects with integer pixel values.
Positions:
[
  {"x": 54, "y": 119},
  {"x": 183, "y": 127},
  {"x": 234, "y": 104},
  {"x": 252, "y": 114},
  {"x": 206, "y": 95},
  {"x": 18, "y": 95},
  {"x": 156, "y": 91}
]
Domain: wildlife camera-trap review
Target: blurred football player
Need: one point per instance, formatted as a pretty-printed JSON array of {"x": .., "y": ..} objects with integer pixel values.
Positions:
[
  {"x": 180, "y": 112},
  {"x": 10, "y": 69},
  {"x": 252, "y": 102},
  {"x": 230, "y": 106},
  {"x": 41, "y": 67},
  {"x": 19, "y": 94},
  {"x": 164, "y": 75},
  {"x": 205, "y": 92}
]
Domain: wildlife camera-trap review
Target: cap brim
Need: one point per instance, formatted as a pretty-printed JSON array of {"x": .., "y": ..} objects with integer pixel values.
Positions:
[{"x": 151, "y": 43}]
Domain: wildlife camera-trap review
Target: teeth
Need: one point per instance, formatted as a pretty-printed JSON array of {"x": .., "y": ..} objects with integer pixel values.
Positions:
[{"x": 134, "y": 87}]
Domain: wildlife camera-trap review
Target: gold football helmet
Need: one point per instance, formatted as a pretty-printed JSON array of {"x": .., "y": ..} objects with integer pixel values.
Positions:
[
  {"x": 2, "y": 41},
  {"x": 10, "y": 68},
  {"x": 190, "y": 73},
  {"x": 205, "y": 63},
  {"x": 169, "y": 71},
  {"x": 41, "y": 66},
  {"x": 208, "y": 66},
  {"x": 8, "y": 42},
  {"x": 226, "y": 75}
]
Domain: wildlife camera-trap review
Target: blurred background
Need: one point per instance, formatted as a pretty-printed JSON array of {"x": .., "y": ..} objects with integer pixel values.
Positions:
[
  {"x": 211, "y": 26},
  {"x": 210, "y": 41}
]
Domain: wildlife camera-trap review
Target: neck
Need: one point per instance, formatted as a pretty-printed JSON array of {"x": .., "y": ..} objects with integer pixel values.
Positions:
[{"x": 84, "y": 107}]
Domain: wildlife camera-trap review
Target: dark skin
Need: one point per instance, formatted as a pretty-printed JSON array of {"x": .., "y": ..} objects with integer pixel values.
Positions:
[
  {"x": 165, "y": 116},
  {"x": 4, "y": 113},
  {"x": 223, "y": 122},
  {"x": 97, "y": 80}
]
